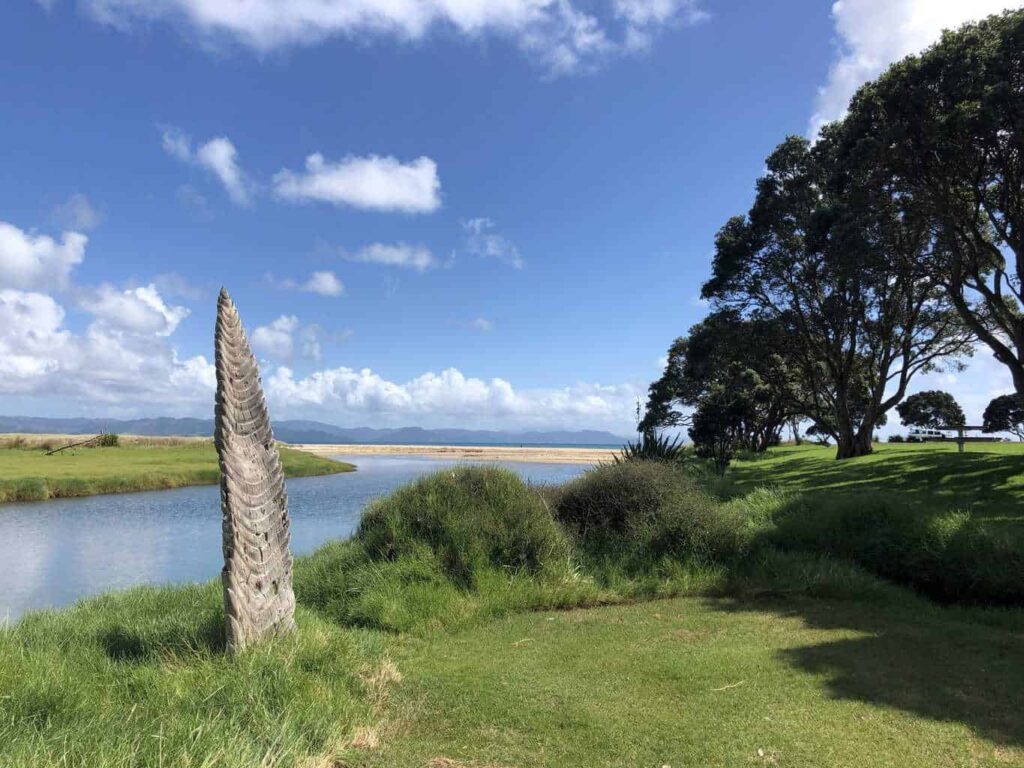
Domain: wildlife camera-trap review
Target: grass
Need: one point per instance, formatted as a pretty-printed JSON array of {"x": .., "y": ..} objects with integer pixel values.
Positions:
[
  {"x": 421, "y": 645},
  {"x": 987, "y": 480},
  {"x": 28, "y": 474}
]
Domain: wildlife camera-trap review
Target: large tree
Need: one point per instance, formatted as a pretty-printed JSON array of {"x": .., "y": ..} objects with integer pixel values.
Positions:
[
  {"x": 948, "y": 126},
  {"x": 833, "y": 255},
  {"x": 748, "y": 357},
  {"x": 1005, "y": 414},
  {"x": 933, "y": 409}
]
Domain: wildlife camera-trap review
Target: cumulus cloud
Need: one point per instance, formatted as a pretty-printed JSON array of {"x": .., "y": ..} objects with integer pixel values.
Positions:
[
  {"x": 482, "y": 324},
  {"x": 555, "y": 33},
  {"x": 77, "y": 213},
  {"x": 32, "y": 262},
  {"x": 415, "y": 257},
  {"x": 275, "y": 339},
  {"x": 286, "y": 336},
  {"x": 481, "y": 240},
  {"x": 875, "y": 33},
  {"x": 450, "y": 397},
  {"x": 324, "y": 283},
  {"x": 138, "y": 310},
  {"x": 372, "y": 183},
  {"x": 218, "y": 156},
  {"x": 107, "y": 364}
]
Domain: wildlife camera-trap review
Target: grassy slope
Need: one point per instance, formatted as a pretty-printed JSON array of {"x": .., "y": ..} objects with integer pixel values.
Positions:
[
  {"x": 30, "y": 475},
  {"x": 987, "y": 480}
]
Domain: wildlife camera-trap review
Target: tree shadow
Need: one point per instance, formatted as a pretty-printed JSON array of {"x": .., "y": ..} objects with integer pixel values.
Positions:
[
  {"x": 135, "y": 645},
  {"x": 934, "y": 666},
  {"x": 989, "y": 484}
]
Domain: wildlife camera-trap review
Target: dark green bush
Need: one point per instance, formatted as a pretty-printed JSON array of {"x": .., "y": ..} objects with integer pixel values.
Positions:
[
  {"x": 471, "y": 519},
  {"x": 106, "y": 440},
  {"x": 947, "y": 556},
  {"x": 647, "y": 510}
]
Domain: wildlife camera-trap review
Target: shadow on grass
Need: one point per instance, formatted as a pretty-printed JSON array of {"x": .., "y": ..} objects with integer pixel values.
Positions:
[
  {"x": 939, "y": 668},
  {"x": 131, "y": 645},
  {"x": 991, "y": 485}
]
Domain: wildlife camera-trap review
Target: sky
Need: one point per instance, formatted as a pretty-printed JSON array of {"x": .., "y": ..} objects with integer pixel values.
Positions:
[{"x": 466, "y": 213}]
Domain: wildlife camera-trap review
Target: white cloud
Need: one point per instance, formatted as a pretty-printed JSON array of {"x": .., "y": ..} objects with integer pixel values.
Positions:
[
  {"x": 373, "y": 183},
  {"x": 450, "y": 397},
  {"x": 138, "y": 310},
  {"x": 555, "y": 33},
  {"x": 324, "y": 282},
  {"x": 281, "y": 338},
  {"x": 106, "y": 365},
  {"x": 875, "y": 33},
  {"x": 217, "y": 156},
  {"x": 481, "y": 241},
  {"x": 275, "y": 340},
  {"x": 221, "y": 158},
  {"x": 29, "y": 261},
  {"x": 416, "y": 257},
  {"x": 77, "y": 213},
  {"x": 482, "y": 324}
]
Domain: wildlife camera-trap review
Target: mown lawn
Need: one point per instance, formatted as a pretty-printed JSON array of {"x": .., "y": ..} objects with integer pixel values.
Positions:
[
  {"x": 987, "y": 480},
  {"x": 702, "y": 682},
  {"x": 31, "y": 475}
]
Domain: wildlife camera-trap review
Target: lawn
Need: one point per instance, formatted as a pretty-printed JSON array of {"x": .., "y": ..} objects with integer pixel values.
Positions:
[
  {"x": 28, "y": 474},
  {"x": 987, "y": 480}
]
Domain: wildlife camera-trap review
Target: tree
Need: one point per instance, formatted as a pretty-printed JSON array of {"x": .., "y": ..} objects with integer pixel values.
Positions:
[
  {"x": 948, "y": 126},
  {"x": 718, "y": 425},
  {"x": 933, "y": 409},
  {"x": 829, "y": 253},
  {"x": 1005, "y": 414},
  {"x": 726, "y": 349}
]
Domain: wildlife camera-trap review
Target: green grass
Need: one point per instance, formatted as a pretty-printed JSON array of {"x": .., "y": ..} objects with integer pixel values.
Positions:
[
  {"x": 987, "y": 480},
  {"x": 419, "y": 644},
  {"x": 31, "y": 475}
]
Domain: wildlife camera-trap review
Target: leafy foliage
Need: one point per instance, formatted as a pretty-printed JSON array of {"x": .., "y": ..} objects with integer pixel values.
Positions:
[
  {"x": 828, "y": 252},
  {"x": 932, "y": 409},
  {"x": 947, "y": 128},
  {"x": 1005, "y": 414},
  {"x": 652, "y": 447}
]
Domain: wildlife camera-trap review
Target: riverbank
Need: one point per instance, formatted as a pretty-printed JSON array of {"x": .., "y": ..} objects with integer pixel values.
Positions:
[
  {"x": 29, "y": 474},
  {"x": 539, "y": 454}
]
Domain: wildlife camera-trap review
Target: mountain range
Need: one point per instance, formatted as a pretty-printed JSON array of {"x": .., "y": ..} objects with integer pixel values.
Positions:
[{"x": 302, "y": 431}]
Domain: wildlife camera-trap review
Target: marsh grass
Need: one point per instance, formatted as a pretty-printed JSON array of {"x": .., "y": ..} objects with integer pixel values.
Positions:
[{"x": 28, "y": 474}]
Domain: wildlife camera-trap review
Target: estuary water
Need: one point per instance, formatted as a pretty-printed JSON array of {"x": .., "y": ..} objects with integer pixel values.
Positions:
[{"x": 62, "y": 550}]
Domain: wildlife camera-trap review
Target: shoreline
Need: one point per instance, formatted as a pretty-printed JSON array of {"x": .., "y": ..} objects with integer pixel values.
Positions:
[{"x": 537, "y": 454}]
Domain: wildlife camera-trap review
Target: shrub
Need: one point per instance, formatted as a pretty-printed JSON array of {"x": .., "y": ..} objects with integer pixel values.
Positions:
[
  {"x": 947, "y": 556},
  {"x": 896, "y": 438},
  {"x": 647, "y": 510},
  {"x": 106, "y": 440},
  {"x": 471, "y": 519},
  {"x": 651, "y": 446}
]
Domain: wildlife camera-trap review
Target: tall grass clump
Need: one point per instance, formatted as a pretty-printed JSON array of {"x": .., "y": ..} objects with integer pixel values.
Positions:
[
  {"x": 948, "y": 555},
  {"x": 471, "y": 519},
  {"x": 641, "y": 512}
]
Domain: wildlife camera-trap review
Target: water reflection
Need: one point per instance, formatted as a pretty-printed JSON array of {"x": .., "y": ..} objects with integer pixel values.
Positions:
[{"x": 58, "y": 551}]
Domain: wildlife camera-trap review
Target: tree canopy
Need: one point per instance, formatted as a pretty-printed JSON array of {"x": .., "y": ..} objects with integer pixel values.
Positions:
[
  {"x": 840, "y": 263},
  {"x": 933, "y": 409},
  {"x": 1005, "y": 414}
]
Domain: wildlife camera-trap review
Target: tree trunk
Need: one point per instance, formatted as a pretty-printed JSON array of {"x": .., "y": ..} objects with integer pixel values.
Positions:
[{"x": 852, "y": 445}]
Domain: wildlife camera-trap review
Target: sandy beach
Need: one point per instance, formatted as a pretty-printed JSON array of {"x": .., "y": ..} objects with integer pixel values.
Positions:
[{"x": 547, "y": 455}]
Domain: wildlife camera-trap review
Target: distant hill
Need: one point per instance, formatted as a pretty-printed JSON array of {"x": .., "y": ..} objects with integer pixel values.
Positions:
[{"x": 301, "y": 431}]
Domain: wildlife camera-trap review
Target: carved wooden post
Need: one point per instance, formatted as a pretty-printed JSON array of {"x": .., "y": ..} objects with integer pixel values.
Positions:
[{"x": 257, "y": 575}]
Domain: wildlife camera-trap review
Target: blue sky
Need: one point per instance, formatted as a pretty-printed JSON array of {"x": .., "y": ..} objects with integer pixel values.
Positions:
[{"x": 483, "y": 213}]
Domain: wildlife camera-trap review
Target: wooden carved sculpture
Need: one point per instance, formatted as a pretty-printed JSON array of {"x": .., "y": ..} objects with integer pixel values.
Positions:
[{"x": 257, "y": 575}]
